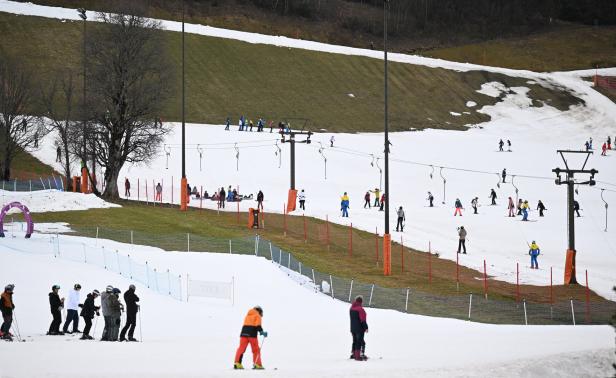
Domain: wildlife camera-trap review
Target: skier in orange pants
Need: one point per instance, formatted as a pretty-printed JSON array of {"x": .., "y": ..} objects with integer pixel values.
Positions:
[{"x": 250, "y": 330}]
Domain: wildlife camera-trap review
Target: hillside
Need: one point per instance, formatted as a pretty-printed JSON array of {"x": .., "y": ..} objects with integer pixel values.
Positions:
[{"x": 335, "y": 92}]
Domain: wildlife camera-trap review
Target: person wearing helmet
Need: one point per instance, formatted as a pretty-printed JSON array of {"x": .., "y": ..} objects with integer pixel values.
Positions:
[
  {"x": 106, "y": 312},
  {"x": 250, "y": 330},
  {"x": 72, "y": 307},
  {"x": 88, "y": 309},
  {"x": 6, "y": 307},
  {"x": 359, "y": 327},
  {"x": 56, "y": 304},
  {"x": 115, "y": 310},
  {"x": 131, "y": 299},
  {"x": 534, "y": 251}
]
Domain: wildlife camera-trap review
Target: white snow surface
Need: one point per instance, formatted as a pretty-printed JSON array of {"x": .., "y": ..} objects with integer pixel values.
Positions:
[
  {"x": 53, "y": 200},
  {"x": 308, "y": 331}
]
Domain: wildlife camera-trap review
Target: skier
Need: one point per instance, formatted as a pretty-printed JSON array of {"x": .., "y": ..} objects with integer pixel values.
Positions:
[
  {"x": 462, "y": 239},
  {"x": 541, "y": 208},
  {"x": 587, "y": 145},
  {"x": 302, "y": 200},
  {"x": 377, "y": 196},
  {"x": 250, "y": 330},
  {"x": 106, "y": 312},
  {"x": 260, "y": 200},
  {"x": 401, "y": 220},
  {"x": 431, "y": 199},
  {"x": 603, "y": 149},
  {"x": 458, "y": 208},
  {"x": 359, "y": 326},
  {"x": 6, "y": 307},
  {"x": 221, "y": 201},
  {"x": 72, "y": 314},
  {"x": 251, "y": 125},
  {"x": 88, "y": 309},
  {"x": 534, "y": 251},
  {"x": 475, "y": 203},
  {"x": 228, "y": 124},
  {"x": 260, "y": 125},
  {"x": 508, "y": 145},
  {"x": 56, "y": 304},
  {"x": 609, "y": 143},
  {"x": 331, "y": 141},
  {"x": 525, "y": 209},
  {"x": 58, "y": 154},
  {"x": 131, "y": 299},
  {"x": 493, "y": 196},
  {"x": 383, "y": 199},
  {"x": 126, "y": 188},
  {"x": 115, "y": 309},
  {"x": 367, "y": 199},
  {"x": 504, "y": 174},
  {"x": 159, "y": 192},
  {"x": 500, "y": 145},
  {"x": 519, "y": 206},
  {"x": 239, "y": 124},
  {"x": 590, "y": 142},
  {"x": 344, "y": 205},
  {"x": 576, "y": 207},
  {"x": 510, "y": 207}
]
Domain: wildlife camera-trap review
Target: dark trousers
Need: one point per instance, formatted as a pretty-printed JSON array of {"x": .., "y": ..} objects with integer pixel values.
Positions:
[
  {"x": 71, "y": 316},
  {"x": 493, "y": 200},
  {"x": 6, "y": 324},
  {"x": 86, "y": 329},
  {"x": 358, "y": 342},
  {"x": 462, "y": 244},
  {"x": 131, "y": 322},
  {"x": 57, "y": 320},
  {"x": 367, "y": 203},
  {"x": 400, "y": 225},
  {"x": 475, "y": 208},
  {"x": 540, "y": 212},
  {"x": 577, "y": 212},
  {"x": 376, "y": 202},
  {"x": 382, "y": 205},
  {"x": 431, "y": 204},
  {"x": 302, "y": 204}
]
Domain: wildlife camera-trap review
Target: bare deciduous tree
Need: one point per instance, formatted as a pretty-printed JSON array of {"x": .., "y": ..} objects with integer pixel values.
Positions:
[
  {"x": 18, "y": 129},
  {"x": 59, "y": 104},
  {"x": 129, "y": 78}
]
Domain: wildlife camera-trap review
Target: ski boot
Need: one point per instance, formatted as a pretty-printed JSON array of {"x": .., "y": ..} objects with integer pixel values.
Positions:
[
  {"x": 258, "y": 367},
  {"x": 132, "y": 339},
  {"x": 238, "y": 366}
]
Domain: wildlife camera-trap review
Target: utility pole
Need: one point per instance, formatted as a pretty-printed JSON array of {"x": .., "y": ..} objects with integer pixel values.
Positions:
[
  {"x": 84, "y": 165},
  {"x": 570, "y": 182},
  {"x": 386, "y": 236},
  {"x": 291, "y": 135},
  {"x": 184, "y": 181}
]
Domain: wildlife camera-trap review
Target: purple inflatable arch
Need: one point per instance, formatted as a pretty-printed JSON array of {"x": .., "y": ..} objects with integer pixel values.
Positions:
[{"x": 24, "y": 210}]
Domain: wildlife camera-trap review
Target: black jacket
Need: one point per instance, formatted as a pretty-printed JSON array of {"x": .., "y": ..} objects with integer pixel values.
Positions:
[
  {"x": 260, "y": 196},
  {"x": 54, "y": 302},
  {"x": 131, "y": 299},
  {"x": 88, "y": 309}
]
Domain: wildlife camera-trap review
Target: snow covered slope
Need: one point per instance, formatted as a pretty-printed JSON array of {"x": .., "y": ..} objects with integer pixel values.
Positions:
[
  {"x": 53, "y": 200},
  {"x": 308, "y": 332}
]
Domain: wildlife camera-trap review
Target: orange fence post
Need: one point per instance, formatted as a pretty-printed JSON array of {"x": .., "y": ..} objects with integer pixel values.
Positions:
[
  {"x": 587, "y": 300},
  {"x": 387, "y": 254},
  {"x": 376, "y": 240},
  {"x": 305, "y": 232},
  {"x": 517, "y": 282},
  {"x": 351, "y": 239},
  {"x": 402, "y": 252},
  {"x": 485, "y": 279}
]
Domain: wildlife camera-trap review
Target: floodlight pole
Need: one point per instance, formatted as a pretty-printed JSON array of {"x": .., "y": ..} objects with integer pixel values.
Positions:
[
  {"x": 291, "y": 135},
  {"x": 386, "y": 236},
  {"x": 570, "y": 266},
  {"x": 184, "y": 181}
]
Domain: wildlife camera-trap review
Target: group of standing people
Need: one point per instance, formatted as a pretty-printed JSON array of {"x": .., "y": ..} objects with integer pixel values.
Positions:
[
  {"x": 379, "y": 199},
  {"x": 245, "y": 124},
  {"x": 607, "y": 145}
]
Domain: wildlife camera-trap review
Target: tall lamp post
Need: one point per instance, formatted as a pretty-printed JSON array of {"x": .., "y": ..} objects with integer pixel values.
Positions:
[
  {"x": 386, "y": 236},
  {"x": 184, "y": 181},
  {"x": 84, "y": 167}
]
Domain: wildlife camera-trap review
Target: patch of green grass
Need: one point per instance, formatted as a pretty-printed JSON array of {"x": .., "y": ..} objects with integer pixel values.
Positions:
[
  {"x": 228, "y": 78},
  {"x": 565, "y": 49},
  {"x": 26, "y": 167}
]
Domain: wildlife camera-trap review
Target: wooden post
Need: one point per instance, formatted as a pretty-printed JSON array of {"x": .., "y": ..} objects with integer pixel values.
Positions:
[
  {"x": 238, "y": 213},
  {"x": 458, "y": 271},
  {"x": 327, "y": 230},
  {"x": 430, "y": 267},
  {"x": 172, "y": 190},
  {"x": 146, "y": 192},
  {"x": 551, "y": 288}
]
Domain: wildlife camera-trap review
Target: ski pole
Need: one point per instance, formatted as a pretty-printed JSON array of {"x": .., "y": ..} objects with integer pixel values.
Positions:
[
  {"x": 17, "y": 332},
  {"x": 260, "y": 349},
  {"x": 95, "y": 324},
  {"x": 140, "y": 333}
]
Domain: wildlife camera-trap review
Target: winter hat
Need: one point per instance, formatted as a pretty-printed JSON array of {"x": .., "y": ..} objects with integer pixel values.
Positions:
[
  {"x": 109, "y": 288},
  {"x": 9, "y": 288},
  {"x": 77, "y": 286},
  {"x": 96, "y": 292},
  {"x": 259, "y": 310},
  {"x": 54, "y": 287},
  {"x": 131, "y": 287},
  {"x": 359, "y": 299},
  {"x": 116, "y": 290}
]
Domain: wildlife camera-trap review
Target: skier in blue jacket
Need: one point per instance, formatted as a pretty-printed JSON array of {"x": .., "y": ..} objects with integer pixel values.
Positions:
[
  {"x": 534, "y": 251},
  {"x": 344, "y": 205}
]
